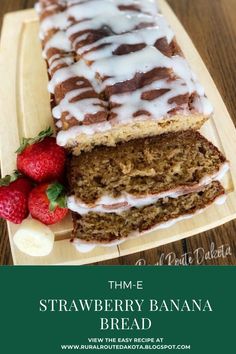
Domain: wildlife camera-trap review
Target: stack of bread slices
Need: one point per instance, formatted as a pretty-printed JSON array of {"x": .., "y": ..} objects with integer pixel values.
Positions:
[{"x": 128, "y": 108}]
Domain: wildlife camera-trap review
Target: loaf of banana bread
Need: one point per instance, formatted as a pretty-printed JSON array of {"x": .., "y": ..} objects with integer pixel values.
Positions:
[
  {"x": 127, "y": 107},
  {"x": 116, "y": 73}
]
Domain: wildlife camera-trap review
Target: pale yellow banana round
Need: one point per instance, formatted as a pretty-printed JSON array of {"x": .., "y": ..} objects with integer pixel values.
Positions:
[{"x": 34, "y": 238}]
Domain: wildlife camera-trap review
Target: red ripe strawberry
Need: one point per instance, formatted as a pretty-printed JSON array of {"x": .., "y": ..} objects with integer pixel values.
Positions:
[
  {"x": 23, "y": 184},
  {"x": 14, "y": 198},
  {"x": 47, "y": 203},
  {"x": 41, "y": 158}
]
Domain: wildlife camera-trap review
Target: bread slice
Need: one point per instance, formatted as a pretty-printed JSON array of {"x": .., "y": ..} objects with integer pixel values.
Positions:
[
  {"x": 137, "y": 173},
  {"x": 117, "y": 73},
  {"x": 109, "y": 227}
]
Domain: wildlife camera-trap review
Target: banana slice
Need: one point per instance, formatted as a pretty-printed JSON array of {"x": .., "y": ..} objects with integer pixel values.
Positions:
[{"x": 34, "y": 238}]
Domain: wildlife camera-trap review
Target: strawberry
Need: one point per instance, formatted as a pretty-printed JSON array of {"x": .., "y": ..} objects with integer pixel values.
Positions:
[
  {"x": 14, "y": 193},
  {"x": 41, "y": 158},
  {"x": 47, "y": 203},
  {"x": 24, "y": 185}
]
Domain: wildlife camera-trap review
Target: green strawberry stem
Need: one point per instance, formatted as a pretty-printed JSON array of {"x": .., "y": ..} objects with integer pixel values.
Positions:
[
  {"x": 5, "y": 181},
  {"x": 57, "y": 196},
  {"x": 29, "y": 141}
]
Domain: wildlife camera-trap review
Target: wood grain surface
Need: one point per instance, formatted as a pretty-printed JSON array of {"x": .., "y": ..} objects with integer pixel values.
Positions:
[{"x": 212, "y": 26}]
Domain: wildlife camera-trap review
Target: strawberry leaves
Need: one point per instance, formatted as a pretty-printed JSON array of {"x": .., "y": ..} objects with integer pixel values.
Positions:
[
  {"x": 9, "y": 179},
  {"x": 56, "y": 195},
  {"x": 29, "y": 141}
]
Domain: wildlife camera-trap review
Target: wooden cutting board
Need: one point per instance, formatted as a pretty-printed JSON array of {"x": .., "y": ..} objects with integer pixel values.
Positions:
[{"x": 25, "y": 110}]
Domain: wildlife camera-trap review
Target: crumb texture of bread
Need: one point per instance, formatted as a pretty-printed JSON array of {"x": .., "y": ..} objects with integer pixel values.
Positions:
[
  {"x": 127, "y": 107},
  {"x": 98, "y": 227},
  {"x": 145, "y": 166}
]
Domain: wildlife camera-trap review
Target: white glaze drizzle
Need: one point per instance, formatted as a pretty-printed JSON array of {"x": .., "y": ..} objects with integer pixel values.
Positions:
[
  {"x": 93, "y": 8},
  {"x": 59, "y": 41},
  {"x": 97, "y": 63},
  {"x": 38, "y": 8},
  {"x": 57, "y": 60},
  {"x": 78, "y": 69},
  {"x": 56, "y": 21},
  {"x": 132, "y": 102},
  {"x": 119, "y": 23},
  {"x": 84, "y": 247},
  {"x": 63, "y": 137},
  {"x": 79, "y": 108},
  {"x": 145, "y": 35}
]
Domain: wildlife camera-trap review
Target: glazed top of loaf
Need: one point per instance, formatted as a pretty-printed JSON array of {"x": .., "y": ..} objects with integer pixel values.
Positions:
[{"x": 114, "y": 61}]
